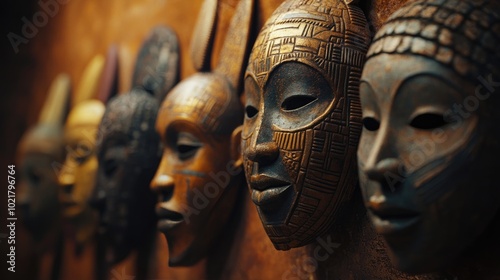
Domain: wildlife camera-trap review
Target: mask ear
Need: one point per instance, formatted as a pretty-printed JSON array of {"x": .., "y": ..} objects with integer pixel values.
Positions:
[
  {"x": 202, "y": 39},
  {"x": 234, "y": 52},
  {"x": 236, "y": 147},
  {"x": 56, "y": 106},
  {"x": 89, "y": 81}
]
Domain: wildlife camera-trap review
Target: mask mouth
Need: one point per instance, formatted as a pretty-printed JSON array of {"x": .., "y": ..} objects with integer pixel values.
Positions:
[
  {"x": 262, "y": 182},
  {"x": 392, "y": 219},
  {"x": 393, "y": 213},
  {"x": 268, "y": 192},
  {"x": 168, "y": 219},
  {"x": 68, "y": 202}
]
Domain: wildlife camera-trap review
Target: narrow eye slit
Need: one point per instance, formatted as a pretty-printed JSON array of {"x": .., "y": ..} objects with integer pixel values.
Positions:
[
  {"x": 80, "y": 159},
  {"x": 296, "y": 102},
  {"x": 187, "y": 145},
  {"x": 83, "y": 150},
  {"x": 251, "y": 111},
  {"x": 428, "y": 121},
  {"x": 371, "y": 124},
  {"x": 110, "y": 167},
  {"x": 186, "y": 151},
  {"x": 34, "y": 178}
]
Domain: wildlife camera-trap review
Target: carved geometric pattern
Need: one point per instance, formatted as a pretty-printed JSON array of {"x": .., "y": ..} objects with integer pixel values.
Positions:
[
  {"x": 332, "y": 37},
  {"x": 327, "y": 33},
  {"x": 461, "y": 35},
  {"x": 292, "y": 147},
  {"x": 205, "y": 98}
]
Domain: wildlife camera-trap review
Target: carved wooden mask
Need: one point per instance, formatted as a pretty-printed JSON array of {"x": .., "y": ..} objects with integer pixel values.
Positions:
[
  {"x": 157, "y": 66},
  {"x": 200, "y": 173},
  {"x": 198, "y": 177},
  {"x": 38, "y": 150},
  {"x": 77, "y": 174},
  {"x": 431, "y": 137},
  {"x": 128, "y": 152},
  {"x": 303, "y": 117}
]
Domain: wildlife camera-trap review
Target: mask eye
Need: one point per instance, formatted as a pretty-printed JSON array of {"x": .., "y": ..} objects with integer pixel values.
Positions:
[
  {"x": 80, "y": 159},
  {"x": 34, "y": 178},
  {"x": 187, "y": 145},
  {"x": 251, "y": 111},
  {"x": 371, "y": 124},
  {"x": 428, "y": 121},
  {"x": 186, "y": 151},
  {"x": 296, "y": 102},
  {"x": 110, "y": 167}
]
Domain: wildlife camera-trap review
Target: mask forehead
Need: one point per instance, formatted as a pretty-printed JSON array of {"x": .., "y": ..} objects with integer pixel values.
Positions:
[
  {"x": 384, "y": 79},
  {"x": 321, "y": 34},
  {"x": 446, "y": 32},
  {"x": 87, "y": 113},
  {"x": 130, "y": 119},
  {"x": 204, "y": 99},
  {"x": 42, "y": 139}
]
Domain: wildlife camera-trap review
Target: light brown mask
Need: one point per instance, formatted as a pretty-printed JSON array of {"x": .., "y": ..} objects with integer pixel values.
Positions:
[{"x": 200, "y": 173}]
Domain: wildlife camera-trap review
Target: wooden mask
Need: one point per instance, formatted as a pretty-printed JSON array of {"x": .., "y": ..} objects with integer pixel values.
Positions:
[
  {"x": 77, "y": 174},
  {"x": 431, "y": 137},
  {"x": 129, "y": 150},
  {"x": 40, "y": 148},
  {"x": 200, "y": 172},
  {"x": 303, "y": 117}
]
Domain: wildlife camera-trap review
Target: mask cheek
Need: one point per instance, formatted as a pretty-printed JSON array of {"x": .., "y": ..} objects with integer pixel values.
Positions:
[
  {"x": 440, "y": 180},
  {"x": 427, "y": 147},
  {"x": 247, "y": 163},
  {"x": 85, "y": 180},
  {"x": 292, "y": 147}
]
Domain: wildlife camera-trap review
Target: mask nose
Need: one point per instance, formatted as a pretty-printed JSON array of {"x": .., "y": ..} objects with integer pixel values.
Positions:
[
  {"x": 23, "y": 202},
  {"x": 262, "y": 149},
  {"x": 24, "y": 197},
  {"x": 162, "y": 184},
  {"x": 383, "y": 168},
  {"x": 264, "y": 153},
  {"x": 383, "y": 164},
  {"x": 66, "y": 180},
  {"x": 388, "y": 172}
]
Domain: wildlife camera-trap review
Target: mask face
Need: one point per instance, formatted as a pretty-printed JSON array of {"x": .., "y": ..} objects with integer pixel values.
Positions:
[
  {"x": 430, "y": 134},
  {"x": 157, "y": 65},
  {"x": 303, "y": 118},
  {"x": 198, "y": 178},
  {"x": 38, "y": 196},
  {"x": 417, "y": 157},
  {"x": 77, "y": 176},
  {"x": 128, "y": 155}
]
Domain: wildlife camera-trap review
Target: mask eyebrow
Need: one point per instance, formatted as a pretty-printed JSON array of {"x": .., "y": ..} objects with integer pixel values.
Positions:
[
  {"x": 398, "y": 86},
  {"x": 190, "y": 173},
  {"x": 370, "y": 88}
]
